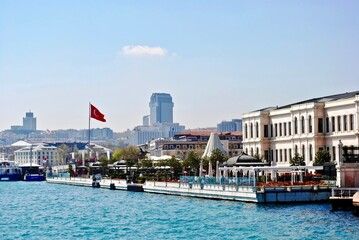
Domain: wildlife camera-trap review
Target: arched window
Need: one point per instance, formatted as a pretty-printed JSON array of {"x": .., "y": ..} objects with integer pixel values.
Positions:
[
  {"x": 310, "y": 152},
  {"x": 257, "y": 130},
  {"x": 246, "y": 131},
  {"x": 310, "y": 124},
  {"x": 295, "y": 149},
  {"x": 303, "y": 152},
  {"x": 251, "y": 130},
  {"x": 295, "y": 125},
  {"x": 251, "y": 151},
  {"x": 303, "y": 125}
]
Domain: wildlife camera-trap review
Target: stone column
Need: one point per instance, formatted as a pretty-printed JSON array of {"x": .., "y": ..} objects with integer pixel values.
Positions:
[{"x": 340, "y": 174}]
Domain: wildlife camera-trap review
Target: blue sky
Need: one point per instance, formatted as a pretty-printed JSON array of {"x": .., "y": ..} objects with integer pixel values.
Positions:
[{"x": 218, "y": 59}]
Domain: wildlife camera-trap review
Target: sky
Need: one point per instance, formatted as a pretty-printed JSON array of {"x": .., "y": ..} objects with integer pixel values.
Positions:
[{"x": 217, "y": 59}]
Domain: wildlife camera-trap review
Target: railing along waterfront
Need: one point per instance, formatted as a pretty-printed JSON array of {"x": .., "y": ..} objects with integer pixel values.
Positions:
[
  {"x": 213, "y": 181},
  {"x": 343, "y": 192}
]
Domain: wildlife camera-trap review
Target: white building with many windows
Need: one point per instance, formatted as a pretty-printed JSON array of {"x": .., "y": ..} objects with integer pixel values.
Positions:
[
  {"x": 305, "y": 127},
  {"x": 41, "y": 154}
]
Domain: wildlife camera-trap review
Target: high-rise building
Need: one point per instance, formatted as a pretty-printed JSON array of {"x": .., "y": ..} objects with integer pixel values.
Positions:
[
  {"x": 161, "y": 108},
  {"x": 29, "y": 122},
  {"x": 230, "y": 126}
]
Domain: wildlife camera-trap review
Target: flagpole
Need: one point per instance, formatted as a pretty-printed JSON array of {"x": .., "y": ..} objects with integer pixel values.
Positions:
[{"x": 89, "y": 146}]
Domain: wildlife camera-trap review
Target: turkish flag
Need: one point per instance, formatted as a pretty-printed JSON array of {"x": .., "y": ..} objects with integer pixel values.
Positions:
[{"x": 96, "y": 114}]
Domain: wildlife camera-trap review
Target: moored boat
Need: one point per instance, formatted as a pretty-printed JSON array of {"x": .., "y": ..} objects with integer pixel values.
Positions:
[{"x": 9, "y": 171}]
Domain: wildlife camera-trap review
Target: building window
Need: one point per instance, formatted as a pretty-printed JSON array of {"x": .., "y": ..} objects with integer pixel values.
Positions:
[
  {"x": 276, "y": 130},
  {"x": 333, "y": 152},
  {"x": 257, "y": 151},
  {"x": 280, "y": 155},
  {"x": 310, "y": 124},
  {"x": 327, "y": 124},
  {"x": 266, "y": 155},
  {"x": 280, "y": 129},
  {"x": 265, "y": 131},
  {"x": 285, "y": 155},
  {"x": 303, "y": 124},
  {"x": 290, "y": 153},
  {"x": 310, "y": 152},
  {"x": 276, "y": 155},
  {"x": 296, "y": 149},
  {"x": 339, "y": 123},
  {"x": 251, "y": 151},
  {"x": 320, "y": 125},
  {"x": 333, "y": 124},
  {"x": 289, "y": 128},
  {"x": 285, "y": 128},
  {"x": 303, "y": 152},
  {"x": 251, "y": 130},
  {"x": 351, "y": 122},
  {"x": 246, "y": 131},
  {"x": 257, "y": 130},
  {"x": 271, "y": 130},
  {"x": 345, "y": 123},
  {"x": 295, "y": 125}
]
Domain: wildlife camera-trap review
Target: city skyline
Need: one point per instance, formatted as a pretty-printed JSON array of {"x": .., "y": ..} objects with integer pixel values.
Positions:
[{"x": 217, "y": 60}]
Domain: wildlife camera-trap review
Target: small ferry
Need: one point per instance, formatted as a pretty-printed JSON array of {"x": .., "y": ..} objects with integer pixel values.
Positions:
[
  {"x": 9, "y": 170},
  {"x": 32, "y": 172}
]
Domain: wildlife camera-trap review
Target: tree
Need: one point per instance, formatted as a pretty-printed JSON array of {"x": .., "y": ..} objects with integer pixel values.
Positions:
[
  {"x": 192, "y": 161},
  {"x": 297, "y": 160},
  {"x": 63, "y": 150},
  {"x": 70, "y": 169},
  {"x": 104, "y": 164},
  {"x": 175, "y": 165},
  {"x": 217, "y": 155},
  {"x": 321, "y": 157}
]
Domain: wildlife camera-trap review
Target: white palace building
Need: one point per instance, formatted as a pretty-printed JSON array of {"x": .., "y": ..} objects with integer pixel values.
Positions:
[{"x": 277, "y": 133}]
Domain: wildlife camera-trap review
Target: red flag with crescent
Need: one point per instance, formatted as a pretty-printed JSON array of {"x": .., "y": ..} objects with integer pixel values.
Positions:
[{"x": 96, "y": 114}]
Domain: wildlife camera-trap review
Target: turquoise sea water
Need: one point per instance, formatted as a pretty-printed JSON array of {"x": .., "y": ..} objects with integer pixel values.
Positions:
[{"x": 40, "y": 210}]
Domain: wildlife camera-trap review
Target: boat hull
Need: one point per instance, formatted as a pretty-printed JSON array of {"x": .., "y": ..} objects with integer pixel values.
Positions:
[
  {"x": 34, "y": 178},
  {"x": 10, "y": 177}
]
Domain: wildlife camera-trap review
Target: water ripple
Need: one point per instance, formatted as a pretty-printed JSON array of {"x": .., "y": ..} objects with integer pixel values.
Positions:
[{"x": 50, "y": 211}]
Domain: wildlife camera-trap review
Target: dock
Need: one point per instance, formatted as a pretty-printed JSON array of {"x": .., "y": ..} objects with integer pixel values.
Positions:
[{"x": 210, "y": 191}]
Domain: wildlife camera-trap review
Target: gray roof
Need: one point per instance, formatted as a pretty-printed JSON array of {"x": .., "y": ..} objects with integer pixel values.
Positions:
[{"x": 329, "y": 98}]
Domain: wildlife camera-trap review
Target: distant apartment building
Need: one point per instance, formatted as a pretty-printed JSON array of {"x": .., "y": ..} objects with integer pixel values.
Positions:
[
  {"x": 142, "y": 134},
  {"x": 277, "y": 133},
  {"x": 230, "y": 126},
  {"x": 41, "y": 154}
]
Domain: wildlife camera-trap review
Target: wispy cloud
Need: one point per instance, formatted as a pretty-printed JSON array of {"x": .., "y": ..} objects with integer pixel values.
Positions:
[{"x": 141, "y": 50}]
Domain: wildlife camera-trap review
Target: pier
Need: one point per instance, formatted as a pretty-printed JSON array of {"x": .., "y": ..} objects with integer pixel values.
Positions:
[{"x": 199, "y": 189}]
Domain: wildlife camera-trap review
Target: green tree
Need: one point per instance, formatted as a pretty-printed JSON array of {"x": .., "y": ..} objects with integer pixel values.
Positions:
[
  {"x": 70, "y": 169},
  {"x": 217, "y": 155},
  {"x": 146, "y": 163},
  {"x": 104, "y": 164},
  {"x": 175, "y": 165},
  {"x": 117, "y": 155},
  {"x": 297, "y": 160},
  {"x": 321, "y": 157},
  {"x": 192, "y": 161}
]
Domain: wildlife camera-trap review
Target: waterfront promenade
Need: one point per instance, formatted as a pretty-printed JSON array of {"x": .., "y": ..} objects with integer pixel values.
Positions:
[{"x": 211, "y": 191}]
